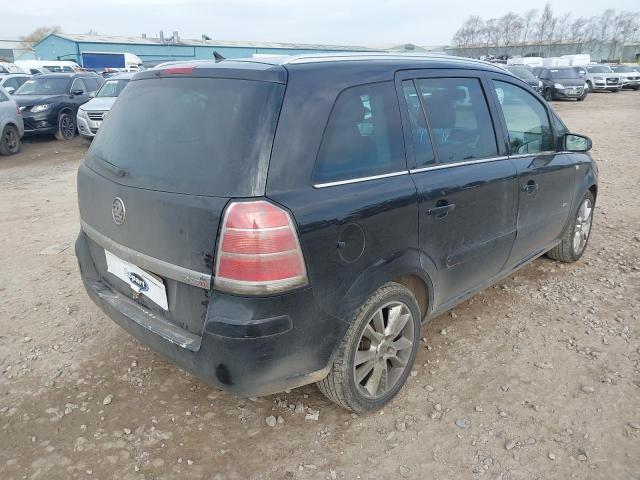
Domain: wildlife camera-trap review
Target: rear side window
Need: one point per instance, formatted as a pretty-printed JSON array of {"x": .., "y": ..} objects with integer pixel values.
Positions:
[
  {"x": 419, "y": 132},
  {"x": 203, "y": 136},
  {"x": 363, "y": 137},
  {"x": 526, "y": 119},
  {"x": 459, "y": 119}
]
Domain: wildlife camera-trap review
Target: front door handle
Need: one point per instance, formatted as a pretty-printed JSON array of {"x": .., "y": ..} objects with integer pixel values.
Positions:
[
  {"x": 530, "y": 187},
  {"x": 441, "y": 209}
]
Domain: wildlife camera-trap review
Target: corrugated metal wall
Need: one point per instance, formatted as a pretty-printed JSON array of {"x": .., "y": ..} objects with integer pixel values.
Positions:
[{"x": 57, "y": 48}]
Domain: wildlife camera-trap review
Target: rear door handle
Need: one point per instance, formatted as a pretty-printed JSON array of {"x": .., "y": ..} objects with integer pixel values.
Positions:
[
  {"x": 530, "y": 187},
  {"x": 441, "y": 209}
]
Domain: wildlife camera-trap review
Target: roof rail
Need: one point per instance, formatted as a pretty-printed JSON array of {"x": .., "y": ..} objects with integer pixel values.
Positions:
[{"x": 336, "y": 57}]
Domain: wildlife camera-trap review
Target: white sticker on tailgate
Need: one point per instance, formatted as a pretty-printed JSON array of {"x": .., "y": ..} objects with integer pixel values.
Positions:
[{"x": 141, "y": 282}]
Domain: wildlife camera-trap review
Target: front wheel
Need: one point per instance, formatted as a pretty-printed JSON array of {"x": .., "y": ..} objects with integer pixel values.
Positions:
[
  {"x": 576, "y": 236},
  {"x": 581, "y": 99},
  {"x": 375, "y": 357},
  {"x": 547, "y": 95},
  {"x": 9, "y": 141},
  {"x": 66, "y": 126}
]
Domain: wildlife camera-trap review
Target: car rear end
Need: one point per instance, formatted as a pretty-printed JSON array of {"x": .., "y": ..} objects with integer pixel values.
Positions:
[{"x": 180, "y": 246}]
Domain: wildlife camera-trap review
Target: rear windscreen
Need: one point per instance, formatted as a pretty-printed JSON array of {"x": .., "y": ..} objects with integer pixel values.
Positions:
[{"x": 202, "y": 136}]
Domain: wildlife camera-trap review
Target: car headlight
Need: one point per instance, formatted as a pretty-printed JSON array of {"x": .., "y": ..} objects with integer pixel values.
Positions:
[
  {"x": 559, "y": 86},
  {"x": 540, "y": 84},
  {"x": 82, "y": 113},
  {"x": 586, "y": 86},
  {"x": 40, "y": 108}
]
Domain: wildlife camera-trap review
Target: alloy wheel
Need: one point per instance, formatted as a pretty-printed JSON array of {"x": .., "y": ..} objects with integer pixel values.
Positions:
[
  {"x": 11, "y": 140},
  {"x": 384, "y": 350},
  {"x": 583, "y": 226},
  {"x": 68, "y": 127}
]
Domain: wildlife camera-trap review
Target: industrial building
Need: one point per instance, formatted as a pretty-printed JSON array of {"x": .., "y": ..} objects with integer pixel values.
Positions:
[{"x": 153, "y": 50}]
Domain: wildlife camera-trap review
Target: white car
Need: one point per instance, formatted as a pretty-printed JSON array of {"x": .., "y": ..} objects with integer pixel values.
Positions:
[
  {"x": 91, "y": 114},
  {"x": 11, "y": 124},
  {"x": 630, "y": 75}
]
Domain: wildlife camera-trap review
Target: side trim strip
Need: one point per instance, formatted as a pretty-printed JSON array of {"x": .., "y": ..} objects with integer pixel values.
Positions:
[
  {"x": 361, "y": 179},
  {"x": 457, "y": 164},
  {"x": 160, "y": 267}
]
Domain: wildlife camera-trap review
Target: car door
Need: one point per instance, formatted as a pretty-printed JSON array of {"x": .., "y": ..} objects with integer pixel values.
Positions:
[
  {"x": 545, "y": 176},
  {"x": 467, "y": 187}
]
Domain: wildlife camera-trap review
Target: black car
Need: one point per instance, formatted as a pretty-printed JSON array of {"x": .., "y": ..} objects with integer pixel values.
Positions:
[
  {"x": 49, "y": 103},
  {"x": 287, "y": 222},
  {"x": 527, "y": 76},
  {"x": 562, "y": 82}
]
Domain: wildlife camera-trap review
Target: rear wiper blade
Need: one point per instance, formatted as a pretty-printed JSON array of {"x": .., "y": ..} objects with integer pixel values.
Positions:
[{"x": 118, "y": 171}]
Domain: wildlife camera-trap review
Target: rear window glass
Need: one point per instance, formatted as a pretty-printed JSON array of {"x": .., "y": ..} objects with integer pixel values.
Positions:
[
  {"x": 203, "y": 136},
  {"x": 363, "y": 137}
]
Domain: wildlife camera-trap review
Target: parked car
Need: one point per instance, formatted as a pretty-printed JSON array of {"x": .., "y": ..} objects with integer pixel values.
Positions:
[
  {"x": 602, "y": 78},
  {"x": 49, "y": 103},
  {"x": 91, "y": 114},
  {"x": 263, "y": 258},
  {"x": 11, "y": 126},
  {"x": 12, "y": 81},
  {"x": 630, "y": 76},
  {"x": 8, "y": 67},
  {"x": 527, "y": 76},
  {"x": 562, "y": 82}
]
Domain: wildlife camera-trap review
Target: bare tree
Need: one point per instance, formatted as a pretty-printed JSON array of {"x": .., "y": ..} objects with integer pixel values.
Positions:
[
  {"x": 528, "y": 22},
  {"x": 28, "y": 41},
  {"x": 510, "y": 26},
  {"x": 545, "y": 24}
]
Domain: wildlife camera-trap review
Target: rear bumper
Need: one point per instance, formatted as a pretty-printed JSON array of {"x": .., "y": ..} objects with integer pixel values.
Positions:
[{"x": 248, "y": 346}]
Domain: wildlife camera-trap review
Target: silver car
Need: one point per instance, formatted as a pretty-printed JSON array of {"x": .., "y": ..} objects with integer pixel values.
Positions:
[
  {"x": 91, "y": 114},
  {"x": 12, "y": 81},
  {"x": 630, "y": 76},
  {"x": 11, "y": 124},
  {"x": 602, "y": 78}
]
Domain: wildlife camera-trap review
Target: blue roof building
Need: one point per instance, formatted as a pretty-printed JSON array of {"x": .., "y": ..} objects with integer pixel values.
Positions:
[{"x": 62, "y": 46}]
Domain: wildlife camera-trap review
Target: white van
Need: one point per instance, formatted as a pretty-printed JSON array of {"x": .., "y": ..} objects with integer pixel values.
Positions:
[
  {"x": 525, "y": 61},
  {"x": 36, "y": 66},
  {"x": 578, "y": 60},
  {"x": 551, "y": 62}
]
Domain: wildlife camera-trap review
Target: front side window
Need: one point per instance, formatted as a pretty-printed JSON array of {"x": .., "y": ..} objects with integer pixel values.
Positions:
[
  {"x": 78, "y": 86},
  {"x": 459, "y": 118},
  {"x": 526, "y": 119},
  {"x": 419, "y": 130},
  {"x": 363, "y": 136}
]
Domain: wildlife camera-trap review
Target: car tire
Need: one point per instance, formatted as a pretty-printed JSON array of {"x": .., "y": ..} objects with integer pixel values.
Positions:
[
  {"x": 547, "y": 95},
  {"x": 10, "y": 140},
  {"x": 66, "y": 126},
  {"x": 590, "y": 86},
  {"x": 615, "y": 91},
  {"x": 636, "y": 88},
  {"x": 384, "y": 335},
  {"x": 581, "y": 99},
  {"x": 576, "y": 236}
]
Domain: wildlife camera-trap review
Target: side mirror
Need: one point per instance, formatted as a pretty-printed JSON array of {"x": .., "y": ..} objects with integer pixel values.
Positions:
[
  {"x": 10, "y": 90},
  {"x": 77, "y": 92},
  {"x": 576, "y": 143}
]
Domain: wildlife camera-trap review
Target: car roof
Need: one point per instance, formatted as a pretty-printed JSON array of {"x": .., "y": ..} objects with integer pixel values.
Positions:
[
  {"x": 66, "y": 75},
  {"x": 121, "y": 76},
  {"x": 275, "y": 68}
]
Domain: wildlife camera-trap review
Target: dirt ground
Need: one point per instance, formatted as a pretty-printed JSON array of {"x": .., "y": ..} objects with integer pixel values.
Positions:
[{"x": 537, "y": 377}]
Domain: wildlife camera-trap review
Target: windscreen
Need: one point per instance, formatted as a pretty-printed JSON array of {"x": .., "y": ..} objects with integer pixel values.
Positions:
[
  {"x": 522, "y": 72},
  {"x": 202, "y": 136},
  {"x": 564, "y": 73},
  {"x": 600, "y": 69},
  {"x": 44, "y": 86},
  {"x": 112, "y": 88}
]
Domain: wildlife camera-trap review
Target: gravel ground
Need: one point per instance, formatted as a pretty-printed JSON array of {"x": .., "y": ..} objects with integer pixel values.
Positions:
[{"x": 536, "y": 377}]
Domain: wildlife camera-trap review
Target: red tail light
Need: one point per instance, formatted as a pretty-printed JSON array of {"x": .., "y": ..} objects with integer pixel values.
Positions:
[{"x": 258, "y": 250}]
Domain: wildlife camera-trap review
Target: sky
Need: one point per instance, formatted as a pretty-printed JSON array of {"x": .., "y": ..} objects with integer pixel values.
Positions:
[{"x": 375, "y": 23}]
